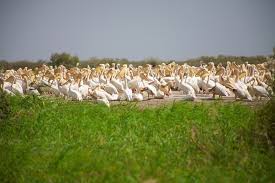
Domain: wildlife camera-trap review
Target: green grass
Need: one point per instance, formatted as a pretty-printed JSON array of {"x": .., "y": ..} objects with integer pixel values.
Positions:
[{"x": 63, "y": 141}]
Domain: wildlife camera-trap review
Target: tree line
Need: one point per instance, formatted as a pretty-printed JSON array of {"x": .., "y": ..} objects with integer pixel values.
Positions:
[{"x": 69, "y": 61}]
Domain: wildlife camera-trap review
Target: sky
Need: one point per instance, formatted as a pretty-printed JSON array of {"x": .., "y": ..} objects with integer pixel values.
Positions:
[{"x": 136, "y": 29}]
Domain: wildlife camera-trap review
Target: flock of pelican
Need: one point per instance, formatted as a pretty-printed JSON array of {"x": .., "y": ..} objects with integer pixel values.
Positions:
[{"x": 110, "y": 82}]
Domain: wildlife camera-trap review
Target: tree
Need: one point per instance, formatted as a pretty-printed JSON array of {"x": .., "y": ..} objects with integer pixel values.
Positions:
[{"x": 64, "y": 59}]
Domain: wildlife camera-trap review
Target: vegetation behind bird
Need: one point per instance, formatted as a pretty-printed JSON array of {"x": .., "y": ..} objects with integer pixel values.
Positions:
[{"x": 69, "y": 61}]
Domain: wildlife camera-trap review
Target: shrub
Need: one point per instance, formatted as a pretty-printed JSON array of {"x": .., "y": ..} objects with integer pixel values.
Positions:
[
  {"x": 5, "y": 109},
  {"x": 265, "y": 123},
  {"x": 64, "y": 59}
]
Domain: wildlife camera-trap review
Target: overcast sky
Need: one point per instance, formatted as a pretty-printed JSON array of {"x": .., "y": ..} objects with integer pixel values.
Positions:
[{"x": 136, "y": 29}]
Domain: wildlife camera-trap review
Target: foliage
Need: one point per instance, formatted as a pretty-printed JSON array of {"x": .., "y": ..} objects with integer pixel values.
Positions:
[
  {"x": 5, "y": 65},
  {"x": 5, "y": 109},
  {"x": 64, "y": 59},
  {"x": 49, "y": 140},
  {"x": 71, "y": 61},
  {"x": 94, "y": 61},
  {"x": 224, "y": 59},
  {"x": 265, "y": 123},
  {"x": 196, "y": 61}
]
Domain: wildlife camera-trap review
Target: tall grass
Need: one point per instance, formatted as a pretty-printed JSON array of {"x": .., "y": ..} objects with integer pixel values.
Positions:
[
  {"x": 5, "y": 110},
  {"x": 265, "y": 123},
  {"x": 64, "y": 141}
]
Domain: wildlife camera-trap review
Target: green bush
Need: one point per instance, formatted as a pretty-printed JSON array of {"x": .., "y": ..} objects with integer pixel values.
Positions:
[
  {"x": 64, "y": 59},
  {"x": 265, "y": 123},
  {"x": 5, "y": 108}
]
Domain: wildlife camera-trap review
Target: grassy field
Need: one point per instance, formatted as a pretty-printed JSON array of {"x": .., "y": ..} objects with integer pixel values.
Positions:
[{"x": 63, "y": 141}]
